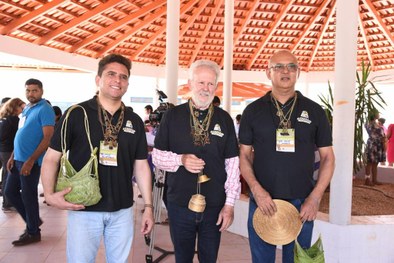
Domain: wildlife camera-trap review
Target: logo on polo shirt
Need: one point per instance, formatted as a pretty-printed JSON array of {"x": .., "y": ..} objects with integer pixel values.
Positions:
[
  {"x": 129, "y": 127},
  {"x": 217, "y": 131},
  {"x": 304, "y": 117}
]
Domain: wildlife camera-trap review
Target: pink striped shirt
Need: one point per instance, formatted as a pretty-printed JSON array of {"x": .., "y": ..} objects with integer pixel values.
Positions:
[{"x": 170, "y": 162}]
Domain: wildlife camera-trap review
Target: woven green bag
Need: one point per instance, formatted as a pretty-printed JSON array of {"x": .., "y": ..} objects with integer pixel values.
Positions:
[
  {"x": 84, "y": 183},
  {"x": 314, "y": 254}
]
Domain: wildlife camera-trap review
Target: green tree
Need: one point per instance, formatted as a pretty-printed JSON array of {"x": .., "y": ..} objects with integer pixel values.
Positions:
[{"x": 368, "y": 99}]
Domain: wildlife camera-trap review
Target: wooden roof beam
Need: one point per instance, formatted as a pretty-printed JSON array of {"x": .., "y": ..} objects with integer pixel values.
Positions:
[
  {"x": 244, "y": 21},
  {"x": 184, "y": 9},
  {"x": 75, "y": 22},
  {"x": 320, "y": 35},
  {"x": 380, "y": 23},
  {"x": 365, "y": 39},
  {"x": 132, "y": 31},
  {"x": 114, "y": 26},
  {"x": 206, "y": 30},
  {"x": 311, "y": 22},
  {"x": 30, "y": 16},
  {"x": 186, "y": 26},
  {"x": 265, "y": 38}
]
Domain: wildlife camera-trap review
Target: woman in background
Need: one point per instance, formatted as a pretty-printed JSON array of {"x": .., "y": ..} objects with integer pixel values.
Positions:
[
  {"x": 390, "y": 144},
  {"x": 375, "y": 151},
  {"x": 8, "y": 126}
]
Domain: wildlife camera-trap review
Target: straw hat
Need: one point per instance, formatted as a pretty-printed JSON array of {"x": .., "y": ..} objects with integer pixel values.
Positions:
[{"x": 281, "y": 228}]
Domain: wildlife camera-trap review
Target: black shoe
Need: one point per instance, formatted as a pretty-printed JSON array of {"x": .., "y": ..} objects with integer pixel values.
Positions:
[
  {"x": 27, "y": 239},
  {"x": 25, "y": 232},
  {"x": 8, "y": 209}
]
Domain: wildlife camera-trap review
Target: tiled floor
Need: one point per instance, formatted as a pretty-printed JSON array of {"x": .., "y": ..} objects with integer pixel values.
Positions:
[{"x": 51, "y": 249}]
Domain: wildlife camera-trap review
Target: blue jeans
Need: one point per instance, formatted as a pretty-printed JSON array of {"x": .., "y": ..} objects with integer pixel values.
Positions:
[
  {"x": 21, "y": 192},
  {"x": 86, "y": 228},
  {"x": 262, "y": 252},
  {"x": 186, "y": 225}
]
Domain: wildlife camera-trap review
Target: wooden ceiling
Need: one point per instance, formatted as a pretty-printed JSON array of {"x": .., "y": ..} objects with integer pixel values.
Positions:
[{"x": 137, "y": 29}]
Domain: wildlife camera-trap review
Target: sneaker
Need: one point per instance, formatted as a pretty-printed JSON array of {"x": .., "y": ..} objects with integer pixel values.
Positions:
[{"x": 27, "y": 239}]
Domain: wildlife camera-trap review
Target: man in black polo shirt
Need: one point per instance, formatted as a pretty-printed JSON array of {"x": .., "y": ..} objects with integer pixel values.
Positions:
[
  {"x": 278, "y": 135},
  {"x": 120, "y": 136},
  {"x": 198, "y": 138}
]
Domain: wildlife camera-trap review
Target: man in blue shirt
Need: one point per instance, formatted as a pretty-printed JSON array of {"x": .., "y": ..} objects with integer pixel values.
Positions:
[{"x": 35, "y": 130}]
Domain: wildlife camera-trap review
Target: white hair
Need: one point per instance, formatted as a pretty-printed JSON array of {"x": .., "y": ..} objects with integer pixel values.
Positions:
[{"x": 204, "y": 63}]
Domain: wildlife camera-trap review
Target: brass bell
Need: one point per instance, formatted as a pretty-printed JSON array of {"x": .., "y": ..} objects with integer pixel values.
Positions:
[
  {"x": 197, "y": 203},
  {"x": 203, "y": 178}
]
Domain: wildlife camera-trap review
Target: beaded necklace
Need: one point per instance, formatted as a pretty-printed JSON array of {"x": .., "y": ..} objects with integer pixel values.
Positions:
[
  {"x": 110, "y": 131},
  {"x": 284, "y": 119},
  {"x": 199, "y": 130}
]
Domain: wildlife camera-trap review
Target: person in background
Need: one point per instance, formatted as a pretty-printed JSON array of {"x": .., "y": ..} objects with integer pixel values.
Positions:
[
  {"x": 381, "y": 122},
  {"x": 390, "y": 145},
  {"x": 35, "y": 130},
  {"x": 58, "y": 113},
  {"x": 197, "y": 138},
  {"x": 4, "y": 100},
  {"x": 237, "y": 123},
  {"x": 375, "y": 151},
  {"x": 216, "y": 101},
  {"x": 148, "y": 111},
  {"x": 8, "y": 126},
  {"x": 278, "y": 135},
  {"x": 119, "y": 134}
]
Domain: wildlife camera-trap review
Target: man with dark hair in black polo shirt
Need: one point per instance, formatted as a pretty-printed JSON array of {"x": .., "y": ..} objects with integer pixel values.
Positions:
[
  {"x": 193, "y": 139},
  {"x": 278, "y": 135},
  {"x": 119, "y": 134}
]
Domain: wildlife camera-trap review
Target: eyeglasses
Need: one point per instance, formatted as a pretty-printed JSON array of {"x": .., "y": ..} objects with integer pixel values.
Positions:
[{"x": 291, "y": 67}]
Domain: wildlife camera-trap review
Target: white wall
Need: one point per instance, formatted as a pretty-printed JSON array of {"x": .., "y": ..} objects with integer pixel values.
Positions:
[{"x": 368, "y": 239}]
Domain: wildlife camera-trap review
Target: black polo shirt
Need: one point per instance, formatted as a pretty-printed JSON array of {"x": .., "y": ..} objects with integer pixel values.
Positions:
[
  {"x": 174, "y": 135},
  {"x": 115, "y": 181},
  {"x": 285, "y": 175},
  {"x": 8, "y": 128}
]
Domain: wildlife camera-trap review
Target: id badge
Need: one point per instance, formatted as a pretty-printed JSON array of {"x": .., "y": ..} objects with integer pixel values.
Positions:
[
  {"x": 285, "y": 140},
  {"x": 108, "y": 156}
]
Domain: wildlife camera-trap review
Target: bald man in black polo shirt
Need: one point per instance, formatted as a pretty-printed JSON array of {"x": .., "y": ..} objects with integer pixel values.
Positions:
[{"x": 278, "y": 135}]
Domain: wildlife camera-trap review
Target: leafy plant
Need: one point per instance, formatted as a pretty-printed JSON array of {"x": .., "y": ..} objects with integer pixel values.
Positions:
[
  {"x": 368, "y": 99},
  {"x": 328, "y": 103}
]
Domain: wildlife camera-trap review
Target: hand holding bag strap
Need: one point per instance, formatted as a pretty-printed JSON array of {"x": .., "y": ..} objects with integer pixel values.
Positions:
[{"x": 64, "y": 129}]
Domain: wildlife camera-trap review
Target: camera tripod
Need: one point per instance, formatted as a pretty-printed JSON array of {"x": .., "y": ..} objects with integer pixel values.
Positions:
[{"x": 158, "y": 191}]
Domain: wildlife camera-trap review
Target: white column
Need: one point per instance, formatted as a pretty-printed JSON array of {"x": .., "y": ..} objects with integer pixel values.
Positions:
[
  {"x": 228, "y": 54},
  {"x": 172, "y": 50},
  {"x": 344, "y": 110}
]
